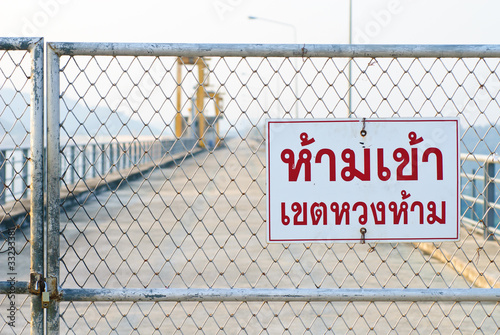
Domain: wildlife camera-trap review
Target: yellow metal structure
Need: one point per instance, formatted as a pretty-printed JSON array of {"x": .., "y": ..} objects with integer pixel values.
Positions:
[
  {"x": 178, "y": 116},
  {"x": 218, "y": 101},
  {"x": 200, "y": 97}
]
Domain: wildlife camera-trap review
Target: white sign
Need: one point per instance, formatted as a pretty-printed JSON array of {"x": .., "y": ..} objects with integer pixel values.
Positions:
[{"x": 377, "y": 180}]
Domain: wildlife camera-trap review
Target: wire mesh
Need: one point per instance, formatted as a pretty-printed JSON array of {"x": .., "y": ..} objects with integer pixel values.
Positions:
[
  {"x": 163, "y": 186},
  {"x": 15, "y": 91}
]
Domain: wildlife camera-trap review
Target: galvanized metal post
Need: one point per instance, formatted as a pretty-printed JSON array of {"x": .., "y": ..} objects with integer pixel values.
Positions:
[
  {"x": 53, "y": 185},
  {"x": 489, "y": 199},
  {"x": 37, "y": 181}
]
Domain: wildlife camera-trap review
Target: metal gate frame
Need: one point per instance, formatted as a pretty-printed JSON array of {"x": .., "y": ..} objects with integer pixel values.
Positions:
[
  {"x": 57, "y": 294},
  {"x": 35, "y": 46}
]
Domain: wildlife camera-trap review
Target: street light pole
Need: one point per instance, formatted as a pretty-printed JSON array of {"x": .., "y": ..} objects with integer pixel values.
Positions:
[
  {"x": 294, "y": 60},
  {"x": 349, "y": 101}
]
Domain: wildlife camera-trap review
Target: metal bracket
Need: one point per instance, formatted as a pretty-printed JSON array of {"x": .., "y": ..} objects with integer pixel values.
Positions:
[
  {"x": 52, "y": 288},
  {"x": 363, "y": 130},
  {"x": 37, "y": 283},
  {"x": 363, "y": 233}
]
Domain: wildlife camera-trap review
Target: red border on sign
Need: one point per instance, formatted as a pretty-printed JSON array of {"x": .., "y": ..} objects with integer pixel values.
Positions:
[{"x": 455, "y": 238}]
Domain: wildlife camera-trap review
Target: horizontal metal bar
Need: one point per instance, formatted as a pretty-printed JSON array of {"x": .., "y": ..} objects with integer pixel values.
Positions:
[
  {"x": 274, "y": 50},
  {"x": 21, "y": 287},
  {"x": 492, "y": 295},
  {"x": 476, "y": 200},
  {"x": 493, "y": 158},
  {"x": 478, "y": 227},
  {"x": 18, "y": 43},
  {"x": 472, "y": 223},
  {"x": 479, "y": 201},
  {"x": 471, "y": 177}
]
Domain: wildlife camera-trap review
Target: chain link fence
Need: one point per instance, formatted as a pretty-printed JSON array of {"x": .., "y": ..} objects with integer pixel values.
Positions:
[
  {"x": 158, "y": 209},
  {"x": 156, "y": 198},
  {"x": 21, "y": 123}
]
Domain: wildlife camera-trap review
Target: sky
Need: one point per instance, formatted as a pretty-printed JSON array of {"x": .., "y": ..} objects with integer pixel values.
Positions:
[{"x": 226, "y": 21}]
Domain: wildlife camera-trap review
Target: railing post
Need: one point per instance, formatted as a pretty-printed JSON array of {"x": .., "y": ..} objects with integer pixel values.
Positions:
[
  {"x": 124, "y": 155},
  {"x": 137, "y": 153},
  {"x": 474, "y": 195},
  {"x": 489, "y": 200},
  {"x": 13, "y": 175},
  {"x": 3, "y": 182},
  {"x": 111, "y": 157},
  {"x": 103, "y": 158},
  {"x": 84, "y": 162},
  {"x": 162, "y": 149},
  {"x": 94, "y": 160},
  {"x": 72, "y": 163},
  {"x": 133, "y": 157},
  {"x": 143, "y": 152},
  {"x": 119, "y": 156},
  {"x": 24, "y": 173},
  {"x": 155, "y": 151}
]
